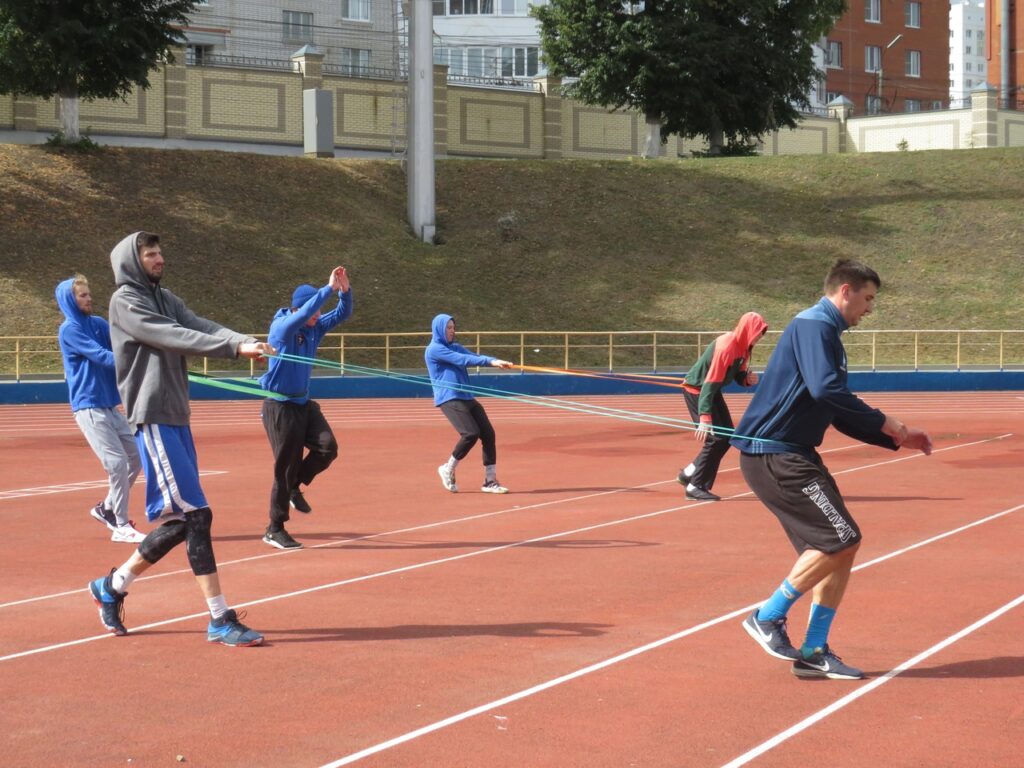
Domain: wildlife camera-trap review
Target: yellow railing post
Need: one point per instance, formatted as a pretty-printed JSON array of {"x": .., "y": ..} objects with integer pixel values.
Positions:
[
  {"x": 17, "y": 359},
  {"x": 958, "y": 350},
  {"x": 522, "y": 349},
  {"x": 341, "y": 354},
  {"x": 387, "y": 352},
  {"x": 915, "y": 350},
  {"x": 611, "y": 346},
  {"x": 874, "y": 340},
  {"x": 565, "y": 349},
  {"x": 1000, "y": 350},
  {"x": 206, "y": 366},
  {"x": 654, "y": 355}
]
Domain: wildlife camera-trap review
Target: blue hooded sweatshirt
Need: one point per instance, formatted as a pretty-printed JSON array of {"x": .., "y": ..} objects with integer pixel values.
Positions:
[
  {"x": 85, "y": 346},
  {"x": 446, "y": 363},
  {"x": 803, "y": 390},
  {"x": 290, "y": 334}
]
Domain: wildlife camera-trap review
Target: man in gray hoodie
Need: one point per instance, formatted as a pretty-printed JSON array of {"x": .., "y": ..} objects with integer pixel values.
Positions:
[{"x": 151, "y": 332}]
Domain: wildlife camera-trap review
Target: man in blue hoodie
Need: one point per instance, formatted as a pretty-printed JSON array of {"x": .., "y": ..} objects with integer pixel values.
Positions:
[
  {"x": 294, "y": 422},
  {"x": 92, "y": 384},
  {"x": 803, "y": 390},
  {"x": 447, "y": 361}
]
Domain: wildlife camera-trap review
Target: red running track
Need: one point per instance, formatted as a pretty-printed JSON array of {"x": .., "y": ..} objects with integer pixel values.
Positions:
[{"x": 589, "y": 618}]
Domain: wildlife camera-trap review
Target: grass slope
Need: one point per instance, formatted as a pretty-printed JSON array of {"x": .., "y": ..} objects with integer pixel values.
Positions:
[{"x": 540, "y": 245}]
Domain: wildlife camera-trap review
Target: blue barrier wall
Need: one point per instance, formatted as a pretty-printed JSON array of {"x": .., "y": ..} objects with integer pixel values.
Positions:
[{"x": 326, "y": 387}]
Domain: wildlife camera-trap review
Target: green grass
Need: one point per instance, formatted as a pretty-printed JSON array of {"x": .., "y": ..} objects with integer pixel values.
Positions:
[{"x": 526, "y": 245}]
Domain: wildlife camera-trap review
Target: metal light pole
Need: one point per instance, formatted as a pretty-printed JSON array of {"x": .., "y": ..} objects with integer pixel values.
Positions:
[
  {"x": 421, "y": 183},
  {"x": 881, "y": 58}
]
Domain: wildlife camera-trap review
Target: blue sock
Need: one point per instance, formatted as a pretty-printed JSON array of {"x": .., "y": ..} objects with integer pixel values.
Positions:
[
  {"x": 778, "y": 604},
  {"x": 817, "y": 628}
]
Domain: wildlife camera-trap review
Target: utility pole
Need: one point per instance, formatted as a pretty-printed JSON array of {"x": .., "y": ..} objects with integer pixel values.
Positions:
[
  {"x": 881, "y": 59},
  {"x": 420, "y": 142}
]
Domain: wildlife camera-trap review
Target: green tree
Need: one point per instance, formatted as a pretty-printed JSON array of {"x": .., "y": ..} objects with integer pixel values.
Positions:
[
  {"x": 715, "y": 68},
  {"x": 91, "y": 49}
]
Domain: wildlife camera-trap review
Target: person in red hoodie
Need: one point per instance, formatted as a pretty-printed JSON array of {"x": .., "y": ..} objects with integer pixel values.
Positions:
[{"x": 726, "y": 359}]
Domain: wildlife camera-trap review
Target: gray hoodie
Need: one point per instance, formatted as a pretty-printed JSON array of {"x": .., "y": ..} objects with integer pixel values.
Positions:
[{"x": 151, "y": 332}]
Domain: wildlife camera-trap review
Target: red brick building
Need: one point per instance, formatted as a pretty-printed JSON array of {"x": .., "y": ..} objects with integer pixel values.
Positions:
[
  {"x": 993, "y": 48},
  {"x": 902, "y": 45}
]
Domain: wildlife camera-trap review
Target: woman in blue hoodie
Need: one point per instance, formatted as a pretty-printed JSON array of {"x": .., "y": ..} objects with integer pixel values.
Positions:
[
  {"x": 446, "y": 363},
  {"x": 92, "y": 385}
]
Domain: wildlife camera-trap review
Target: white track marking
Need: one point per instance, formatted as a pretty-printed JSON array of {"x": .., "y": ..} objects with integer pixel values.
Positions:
[
  {"x": 46, "y": 490},
  {"x": 835, "y": 706}
]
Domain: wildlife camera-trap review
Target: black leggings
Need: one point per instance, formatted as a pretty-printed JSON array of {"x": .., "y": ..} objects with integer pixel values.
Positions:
[
  {"x": 470, "y": 419},
  {"x": 194, "y": 530},
  {"x": 709, "y": 459}
]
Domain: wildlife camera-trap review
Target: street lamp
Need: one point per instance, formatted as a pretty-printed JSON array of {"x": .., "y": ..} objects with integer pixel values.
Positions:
[{"x": 881, "y": 58}]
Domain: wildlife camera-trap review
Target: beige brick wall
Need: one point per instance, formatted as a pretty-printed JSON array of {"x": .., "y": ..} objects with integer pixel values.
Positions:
[
  {"x": 495, "y": 123},
  {"x": 813, "y": 136},
  {"x": 597, "y": 133},
  {"x": 949, "y": 129},
  {"x": 6, "y": 111},
  {"x": 368, "y": 114},
  {"x": 1010, "y": 129},
  {"x": 244, "y": 105},
  {"x": 140, "y": 114}
]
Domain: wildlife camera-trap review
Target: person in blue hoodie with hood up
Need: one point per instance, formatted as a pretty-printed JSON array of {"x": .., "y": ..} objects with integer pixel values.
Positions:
[
  {"x": 802, "y": 392},
  {"x": 446, "y": 363},
  {"x": 294, "y": 422},
  {"x": 85, "y": 348}
]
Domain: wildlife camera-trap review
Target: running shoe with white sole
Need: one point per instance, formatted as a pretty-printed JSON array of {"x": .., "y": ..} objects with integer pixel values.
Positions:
[
  {"x": 447, "y": 478},
  {"x": 824, "y": 663},
  {"x": 771, "y": 636},
  {"x": 493, "y": 486},
  {"x": 110, "y": 603},
  {"x": 127, "y": 533}
]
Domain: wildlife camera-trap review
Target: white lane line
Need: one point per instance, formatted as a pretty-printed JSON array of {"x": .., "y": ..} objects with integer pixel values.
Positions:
[
  {"x": 465, "y": 555},
  {"x": 457, "y": 718},
  {"x": 869, "y": 687},
  {"x": 46, "y": 490}
]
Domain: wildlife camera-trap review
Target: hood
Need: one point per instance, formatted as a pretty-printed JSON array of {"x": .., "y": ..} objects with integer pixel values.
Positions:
[
  {"x": 748, "y": 330},
  {"x": 124, "y": 260},
  {"x": 437, "y": 327},
  {"x": 65, "y": 294}
]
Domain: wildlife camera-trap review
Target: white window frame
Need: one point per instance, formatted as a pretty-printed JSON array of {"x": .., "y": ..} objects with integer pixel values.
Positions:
[
  {"x": 873, "y": 105},
  {"x": 833, "y": 54},
  {"x": 911, "y": 105},
  {"x": 355, "y": 10},
  {"x": 297, "y": 26},
  {"x": 872, "y": 58},
  {"x": 912, "y": 63},
  {"x": 354, "y": 61},
  {"x": 912, "y": 14},
  {"x": 873, "y": 11}
]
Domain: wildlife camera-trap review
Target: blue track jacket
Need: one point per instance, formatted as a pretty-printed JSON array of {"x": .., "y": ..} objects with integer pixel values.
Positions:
[
  {"x": 446, "y": 364},
  {"x": 85, "y": 346},
  {"x": 803, "y": 390},
  {"x": 290, "y": 334}
]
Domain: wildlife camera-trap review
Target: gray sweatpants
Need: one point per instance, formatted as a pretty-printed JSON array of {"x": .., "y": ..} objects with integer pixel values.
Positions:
[{"x": 110, "y": 437}]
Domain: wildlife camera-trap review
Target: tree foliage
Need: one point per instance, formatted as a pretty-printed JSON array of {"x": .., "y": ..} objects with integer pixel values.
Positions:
[
  {"x": 699, "y": 67},
  {"x": 94, "y": 49}
]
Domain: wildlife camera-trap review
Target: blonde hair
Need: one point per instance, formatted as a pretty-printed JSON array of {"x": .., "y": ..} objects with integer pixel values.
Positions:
[{"x": 79, "y": 279}]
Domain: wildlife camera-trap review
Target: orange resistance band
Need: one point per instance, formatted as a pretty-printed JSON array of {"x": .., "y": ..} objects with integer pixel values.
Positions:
[{"x": 636, "y": 378}]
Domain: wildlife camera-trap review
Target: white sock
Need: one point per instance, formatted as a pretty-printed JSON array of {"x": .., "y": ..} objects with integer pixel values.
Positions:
[
  {"x": 490, "y": 473},
  {"x": 122, "y": 579},
  {"x": 452, "y": 463},
  {"x": 690, "y": 469},
  {"x": 691, "y": 487},
  {"x": 218, "y": 606}
]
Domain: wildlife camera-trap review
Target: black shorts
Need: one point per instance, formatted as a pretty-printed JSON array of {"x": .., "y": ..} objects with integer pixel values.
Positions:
[{"x": 802, "y": 494}]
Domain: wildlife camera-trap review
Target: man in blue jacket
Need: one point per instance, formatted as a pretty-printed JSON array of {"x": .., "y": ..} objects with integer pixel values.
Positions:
[
  {"x": 92, "y": 384},
  {"x": 294, "y": 422},
  {"x": 802, "y": 391},
  {"x": 447, "y": 361}
]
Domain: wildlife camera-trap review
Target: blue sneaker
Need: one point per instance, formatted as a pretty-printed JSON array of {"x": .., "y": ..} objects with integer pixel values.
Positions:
[
  {"x": 822, "y": 662},
  {"x": 771, "y": 636},
  {"x": 230, "y": 631},
  {"x": 110, "y": 604}
]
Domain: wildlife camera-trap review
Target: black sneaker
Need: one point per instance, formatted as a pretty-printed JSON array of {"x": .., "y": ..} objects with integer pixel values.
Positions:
[
  {"x": 771, "y": 636},
  {"x": 299, "y": 503},
  {"x": 824, "y": 663},
  {"x": 104, "y": 515},
  {"x": 700, "y": 494},
  {"x": 281, "y": 539},
  {"x": 110, "y": 603}
]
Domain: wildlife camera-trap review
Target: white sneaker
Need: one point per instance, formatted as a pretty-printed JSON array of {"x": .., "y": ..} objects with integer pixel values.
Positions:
[
  {"x": 447, "y": 478},
  {"x": 127, "y": 533},
  {"x": 493, "y": 486}
]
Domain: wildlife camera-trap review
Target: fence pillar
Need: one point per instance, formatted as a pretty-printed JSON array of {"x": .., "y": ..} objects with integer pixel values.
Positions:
[
  {"x": 176, "y": 96},
  {"x": 440, "y": 110},
  {"x": 311, "y": 63},
  {"x": 840, "y": 108},
  {"x": 983, "y": 116},
  {"x": 551, "y": 87}
]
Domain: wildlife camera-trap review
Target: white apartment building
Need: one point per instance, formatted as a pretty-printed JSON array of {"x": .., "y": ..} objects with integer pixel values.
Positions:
[
  {"x": 966, "y": 49},
  {"x": 355, "y": 36}
]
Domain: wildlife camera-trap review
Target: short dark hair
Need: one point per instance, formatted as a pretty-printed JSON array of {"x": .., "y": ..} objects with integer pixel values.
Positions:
[
  {"x": 146, "y": 240},
  {"x": 848, "y": 271}
]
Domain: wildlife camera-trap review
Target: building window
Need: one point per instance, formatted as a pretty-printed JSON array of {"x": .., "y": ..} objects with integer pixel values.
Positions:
[
  {"x": 967, "y": 66},
  {"x": 514, "y": 8},
  {"x": 873, "y": 11},
  {"x": 355, "y": 10},
  {"x": 834, "y": 55},
  {"x": 912, "y": 14},
  {"x": 937, "y": 104},
  {"x": 470, "y": 7},
  {"x": 872, "y": 58},
  {"x": 981, "y": 67},
  {"x": 981, "y": 40},
  {"x": 196, "y": 54},
  {"x": 968, "y": 83},
  {"x": 873, "y": 104},
  {"x": 951, "y": 34},
  {"x": 298, "y": 27},
  {"x": 439, "y": 7},
  {"x": 968, "y": 32},
  {"x": 912, "y": 105},
  {"x": 913, "y": 64},
  {"x": 967, "y": 50},
  {"x": 354, "y": 61},
  {"x": 951, "y": 65},
  {"x": 519, "y": 62},
  {"x": 831, "y": 96}
]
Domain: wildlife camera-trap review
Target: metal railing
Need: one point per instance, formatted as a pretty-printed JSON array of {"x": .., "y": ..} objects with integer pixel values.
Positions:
[
  {"x": 38, "y": 357},
  {"x": 241, "y": 62}
]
